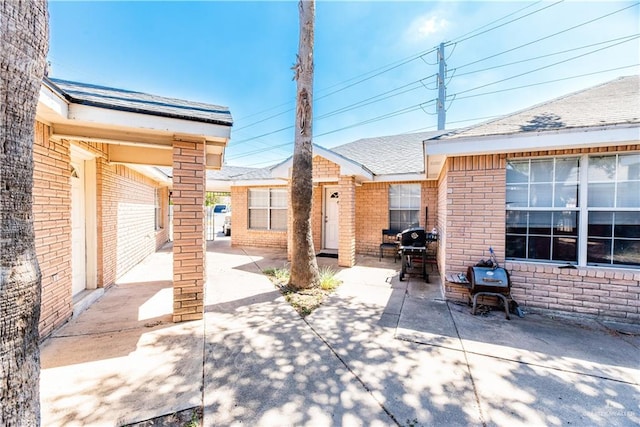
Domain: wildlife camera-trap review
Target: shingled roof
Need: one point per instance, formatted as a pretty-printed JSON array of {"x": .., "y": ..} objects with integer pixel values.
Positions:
[
  {"x": 613, "y": 103},
  {"x": 384, "y": 155},
  {"x": 138, "y": 102}
]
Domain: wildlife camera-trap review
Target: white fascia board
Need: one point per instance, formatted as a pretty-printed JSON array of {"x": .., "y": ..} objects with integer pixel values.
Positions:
[
  {"x": 259, "y": 182},
  {"x": 51, "y": 105},
  {"x": 127, "y": 119},
  {"x": 347, "y": 167},
  {"x": 541, "y": 141},
  {"x": 399, "y": 177}
]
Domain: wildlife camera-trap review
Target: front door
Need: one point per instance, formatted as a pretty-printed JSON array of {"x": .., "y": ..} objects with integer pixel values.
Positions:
[
  {"x": 78, "y": 227},
  {"x": 331, "y": 214}
]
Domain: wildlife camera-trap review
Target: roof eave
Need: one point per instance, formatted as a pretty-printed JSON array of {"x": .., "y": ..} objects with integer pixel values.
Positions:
[{"x": 436, "y": 151}]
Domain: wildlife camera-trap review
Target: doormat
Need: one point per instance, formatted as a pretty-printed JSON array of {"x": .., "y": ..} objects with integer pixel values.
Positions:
[{"x": 326, "y": 255}]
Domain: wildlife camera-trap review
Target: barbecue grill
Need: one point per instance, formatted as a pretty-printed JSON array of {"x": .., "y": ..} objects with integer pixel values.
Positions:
[
  {"x": 490, "y": 281},
  {"x": 413, "y": 252}
]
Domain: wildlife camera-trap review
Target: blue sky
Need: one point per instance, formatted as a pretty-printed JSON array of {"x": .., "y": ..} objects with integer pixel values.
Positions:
[{"x": 375, "y": 61}]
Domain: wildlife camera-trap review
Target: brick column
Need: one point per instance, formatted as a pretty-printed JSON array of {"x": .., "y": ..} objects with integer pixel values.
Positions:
[
  {"x": 347, "y": 245},
  {"x": 189, "y": 181}
]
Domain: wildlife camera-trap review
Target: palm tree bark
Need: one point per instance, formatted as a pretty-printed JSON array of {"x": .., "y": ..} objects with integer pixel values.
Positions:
[
  {"x": 24, "y": 39},
  {"x": 304, "y": 267}
]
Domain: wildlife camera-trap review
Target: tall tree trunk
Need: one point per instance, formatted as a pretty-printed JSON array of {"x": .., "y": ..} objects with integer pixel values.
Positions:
[
  {"x": 24, "y": 40},
  {"x": 304, "y": 267}
]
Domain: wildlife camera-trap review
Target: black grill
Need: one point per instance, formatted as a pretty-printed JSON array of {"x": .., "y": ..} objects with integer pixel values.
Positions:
[
  {"x": 413, "y": 252},
  {"x": 490, "y": 281}
]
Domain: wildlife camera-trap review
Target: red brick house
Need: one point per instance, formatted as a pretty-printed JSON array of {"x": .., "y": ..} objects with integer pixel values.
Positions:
[
  {"x": 99, "y": 208},
  {"x": 554, "y": 189}
]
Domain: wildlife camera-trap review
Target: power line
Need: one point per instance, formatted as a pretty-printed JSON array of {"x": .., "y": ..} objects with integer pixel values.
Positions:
[
  {"x": 418, "y": 106},
  {"x": 378, "y": 71},
  {"x": 359, "y": 104},
  {"x": 506, "y": 23},
  {"x": 631, "y": 37},
  {"x": 542, "y": 68},
  {"x": 549, "y": 36},
  {"x": 550, "y": 81}
]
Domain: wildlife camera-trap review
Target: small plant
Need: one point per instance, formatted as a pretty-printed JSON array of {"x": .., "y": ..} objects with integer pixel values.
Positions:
[
  {"x": 304, "y": 301},
  {"x": 328, "y": 279},
  {"x": 279, "y": 275}
]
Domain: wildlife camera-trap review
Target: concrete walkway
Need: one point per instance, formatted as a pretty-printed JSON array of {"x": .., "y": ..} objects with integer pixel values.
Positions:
[{"x": 379, "y": 352}]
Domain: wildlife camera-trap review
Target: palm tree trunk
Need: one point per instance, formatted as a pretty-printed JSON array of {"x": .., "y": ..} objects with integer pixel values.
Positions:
[
  {"x": 304, "y": 267},
  {"x": 24, "y": 39}
]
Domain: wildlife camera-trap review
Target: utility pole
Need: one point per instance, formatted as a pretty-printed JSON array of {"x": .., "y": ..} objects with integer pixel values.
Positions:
[{"x": 442, "y": 90}]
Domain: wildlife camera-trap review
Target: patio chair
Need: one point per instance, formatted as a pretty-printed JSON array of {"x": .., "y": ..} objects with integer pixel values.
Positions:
[{"x": 389, "y": 243}]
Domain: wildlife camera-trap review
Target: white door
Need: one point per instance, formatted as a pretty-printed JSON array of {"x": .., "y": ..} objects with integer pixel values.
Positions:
[
  {"x": 78, "y": 227},
  {"x": 331, "y": 214}
]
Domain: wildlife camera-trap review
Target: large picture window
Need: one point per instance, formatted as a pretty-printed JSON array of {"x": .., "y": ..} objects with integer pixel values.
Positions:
[
  {"x": 268, "y": 208},
  {"x": 577, "y": 210},
  {"x": 404, "y": 206}
]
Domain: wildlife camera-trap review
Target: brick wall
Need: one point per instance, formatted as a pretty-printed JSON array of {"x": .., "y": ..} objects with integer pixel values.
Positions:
[
  {"x": 605, "y": 293},
  {"x": 323, "y": 168},
  {"x": 124, "y": 223},
  {"x": 241, "y": 235},
  {"x": 126, "y": 220},
  {"x": 372, "y": 212},
  {"x": 189, "y": 180},
  {"x": 52, "y": 223},
  {"x": 347, "y": 222},
  {"x": 471, "y": 197}
]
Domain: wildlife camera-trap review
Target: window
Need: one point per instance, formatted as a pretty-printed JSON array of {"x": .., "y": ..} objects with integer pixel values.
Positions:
[
  {"x": 157, "y": 211},
  {"x": 268, "y": 209},
  {"x": 613, "y": 233},
  {"x": 404, "y": 206},
  {"x": 578, "y": 210}
]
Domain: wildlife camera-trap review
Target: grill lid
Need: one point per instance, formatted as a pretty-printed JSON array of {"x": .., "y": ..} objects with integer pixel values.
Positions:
[{"x": 487, "y": 276}]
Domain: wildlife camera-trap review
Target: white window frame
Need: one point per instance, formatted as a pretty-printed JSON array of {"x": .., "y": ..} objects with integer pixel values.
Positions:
[
  {"x": 408, "y": 206},
  {"x": 268, "y": 207},
  {"x": 582, "y": 209}
]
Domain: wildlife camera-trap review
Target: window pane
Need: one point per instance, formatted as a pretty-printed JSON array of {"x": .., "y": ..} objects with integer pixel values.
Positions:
[
  {"x": 567, "y": 170},
  {"x": 599, "y": 251},
  {"x": 516, "y": 247},
  {"x": 404, "y": 196},
  {"x": 278, "y": 219},
  {"x": 540, "y": 223},
  {"x": 401, "y": 220},
  {"x": 541, "y": 195},
  {"x": 566, "y": 196},
  {"x": 600, "y": 224},
  {"x": 628, "y": 194},
  {"x": 517, "y": 172},
  {"x": 565, "y": 249},
  {"x": 516, "y": 222},
  {"x": 517, "y": 196},
  {"x": 602, "y": 168},
  {"x": 258, "y": 198},
  {"x": 542, "y": 170},
  {"x": 601, "y": 195},
  {"x": 626, "y": 252},
  {"x": 629, "y": 167},
  {"x": 539, "y": 247},
  {"x": 278, "y": 198},
  {"x": 258, "y": 218},
  {"x": 627, "y": 225},
  {"x": 565, "y": 223}
]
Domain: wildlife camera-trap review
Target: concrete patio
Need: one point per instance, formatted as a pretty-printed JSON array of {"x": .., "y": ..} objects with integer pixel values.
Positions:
[{"x": 378, "y": 352}]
